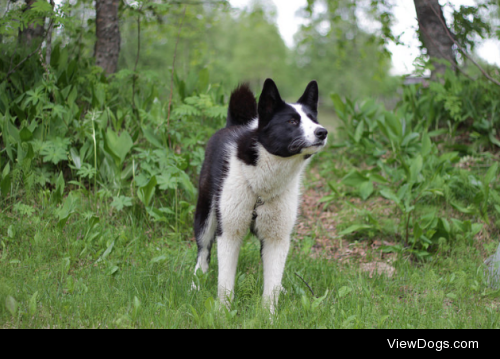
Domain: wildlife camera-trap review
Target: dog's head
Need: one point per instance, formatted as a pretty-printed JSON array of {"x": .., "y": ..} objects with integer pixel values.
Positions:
[{"x": 290, "y": 129}]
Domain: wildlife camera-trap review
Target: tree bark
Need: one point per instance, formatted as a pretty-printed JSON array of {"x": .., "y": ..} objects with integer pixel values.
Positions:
[
  {"x": 32, "y": 33},
  {"x": 48, "y": 42},
  {"x": 107, "y": 46},
  {"x": 434, "y": 34}
]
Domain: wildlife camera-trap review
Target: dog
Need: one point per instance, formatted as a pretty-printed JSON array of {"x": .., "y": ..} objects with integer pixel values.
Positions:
[{"x": 250, "y": 178}]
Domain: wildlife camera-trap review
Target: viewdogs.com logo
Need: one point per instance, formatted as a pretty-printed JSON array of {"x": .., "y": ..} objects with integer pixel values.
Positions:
[{"x": 431, "y": 344}]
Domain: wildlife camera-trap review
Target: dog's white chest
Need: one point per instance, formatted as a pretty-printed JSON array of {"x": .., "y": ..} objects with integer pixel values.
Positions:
[{"x": 273, "y": 174}]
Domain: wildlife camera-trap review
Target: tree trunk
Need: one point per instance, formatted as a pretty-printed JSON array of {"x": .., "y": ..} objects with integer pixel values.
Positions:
[
  {"x": 48, "y": 45},
  {"x": 434, "y": 34},
  {"x": 107, "y": 46},
  {"x": 32, "y": 33}
]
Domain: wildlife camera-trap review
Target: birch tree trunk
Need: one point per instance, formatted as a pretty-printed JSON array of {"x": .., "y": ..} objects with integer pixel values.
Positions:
[{"x": 107, "y": 46}]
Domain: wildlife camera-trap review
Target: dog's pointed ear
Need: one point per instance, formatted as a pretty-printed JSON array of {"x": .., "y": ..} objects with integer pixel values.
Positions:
[
  {"x": 310, "y": 96},
  {"x": 269, "y": 102}
]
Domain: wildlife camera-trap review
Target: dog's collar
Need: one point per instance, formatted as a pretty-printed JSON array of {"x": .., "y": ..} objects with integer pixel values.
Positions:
[{"x": 259, "y": 203}]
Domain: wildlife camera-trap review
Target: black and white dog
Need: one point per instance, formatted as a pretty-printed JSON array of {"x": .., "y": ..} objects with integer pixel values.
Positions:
[{"x": 251, "y": 178}]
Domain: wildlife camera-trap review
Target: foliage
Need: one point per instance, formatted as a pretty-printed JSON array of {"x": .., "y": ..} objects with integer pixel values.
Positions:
[
  {"x": 74, "y": 131},
  {"x": 406, "y": 162},
  {"x": 98, "y": 174},
  {"x": 335, "y": 48}
]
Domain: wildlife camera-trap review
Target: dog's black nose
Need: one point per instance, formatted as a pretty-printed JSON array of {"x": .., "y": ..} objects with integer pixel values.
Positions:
[{"x": 321, "y": 133}]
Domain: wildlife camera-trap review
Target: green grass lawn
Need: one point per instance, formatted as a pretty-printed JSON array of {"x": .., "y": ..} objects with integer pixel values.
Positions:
[{"x": 122, "y": 272}]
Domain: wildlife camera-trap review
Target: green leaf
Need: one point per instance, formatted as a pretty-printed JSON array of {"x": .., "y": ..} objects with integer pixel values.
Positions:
[
  {"x": 415, "y": 168},
  {"x": 25, "y": 134},
  {"x": 70, "y": 205},
  {"x": 53, "y": 154},
  {"x": 449, "y": 156},
  {"x": 41, "y": 6},
  {"x": 72, "y": 96},
  {"x": 11, "y": 305},
  {"x": 151, "y": 137},
  {"x": 112, "y": 270},
  {"x": 317, "y": 301},
  {"x": 159, "y": 259},
  {"x": 476, "y": 228},
  {"x": 11, "y": 232},
  {"x": 493, "y": 139},
  {"x": 467, "y": 210},
  {"x": 377, "y": 178},
  {"x": 60, "y": 184},
  {"x": 120, "y": 202},
  {"x": 355, "y": 228},
  {"x": 137, "y": 303},
  {"x": 5, "y": 185},
  {"x": 359, "y": 131},
  {"x": 76, "y": 158},
  {"x": 106, "y": 252},
  {"x": 6, "y": 170},
  {"x": 366, "y": 189},
  {"x": 409, "y": 137},
  {"x": 491, "y": 174},
  {"x": 146, "y": 192},
  {"x": 354, "y": 179},
  {"x": 343, "y": 291},
  {"x": 394, "y": 124},
  {"x": 338, "y": 104},
  {"x": 417, "y": 231},
  {"x": 446, "y": 225},
  {"x": 440, "y": 132},
  {"x": 402, "y": 191},
  {"x": 118, "y": 146},
  {"x": 32, "y": 304},
  {"x": 389, "y": 194},
  {"x": 426, "y": 145},
  {"x": 186, "y": 183}
]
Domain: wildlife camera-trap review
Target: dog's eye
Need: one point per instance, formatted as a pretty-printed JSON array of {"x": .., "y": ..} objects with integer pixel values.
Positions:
[{"x": 293, "y": 121}]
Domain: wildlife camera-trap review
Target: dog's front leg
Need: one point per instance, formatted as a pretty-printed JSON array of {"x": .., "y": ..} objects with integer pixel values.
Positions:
[
  {"x": 274, "y": 253},
  {"x": 275, "y": 221}
]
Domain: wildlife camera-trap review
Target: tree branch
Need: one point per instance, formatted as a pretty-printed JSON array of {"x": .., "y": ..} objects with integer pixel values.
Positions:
[{"x": 312, "y": 292}]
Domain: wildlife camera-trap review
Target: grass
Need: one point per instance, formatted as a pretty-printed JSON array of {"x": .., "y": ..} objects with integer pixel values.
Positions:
[
  {"x": 125, "y": 272},
  {"x": 119, "y": 269}
]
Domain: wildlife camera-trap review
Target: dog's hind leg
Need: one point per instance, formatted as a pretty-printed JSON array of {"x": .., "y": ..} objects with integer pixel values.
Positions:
[
  {"x": 205, "y": 235},
  {"x": 233, "y": 216}
]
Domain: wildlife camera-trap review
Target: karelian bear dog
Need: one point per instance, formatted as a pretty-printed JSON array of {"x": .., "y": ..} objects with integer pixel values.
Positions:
[{"x": 251, "y": 179}]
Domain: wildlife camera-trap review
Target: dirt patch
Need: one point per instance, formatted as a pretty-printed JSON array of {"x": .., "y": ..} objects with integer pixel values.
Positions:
[{"x": 320, "y": 222}]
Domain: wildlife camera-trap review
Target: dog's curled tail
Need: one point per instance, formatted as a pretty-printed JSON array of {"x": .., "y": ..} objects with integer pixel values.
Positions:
[{"x": 242, "y": 106}]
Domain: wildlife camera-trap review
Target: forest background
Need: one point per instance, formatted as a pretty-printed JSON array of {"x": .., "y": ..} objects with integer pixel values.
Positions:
[{"x": 105, "y": 110}]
